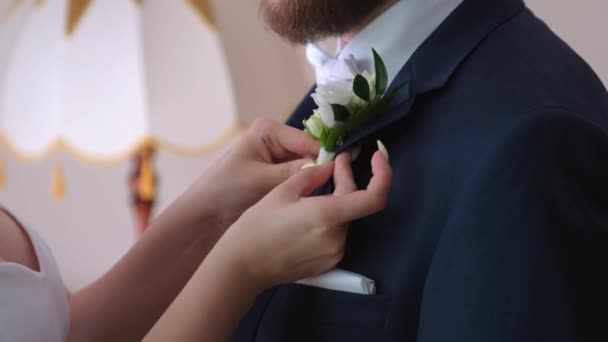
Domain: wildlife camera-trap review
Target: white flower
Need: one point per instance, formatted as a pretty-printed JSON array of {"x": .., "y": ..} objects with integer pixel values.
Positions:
[
  {"x": 338, "y": 98},
  {"x": 319, "y": 100},
  {"x": 340, "y": 92},
  {"x": 314, "y": 125},
  {"x": 327, "y": 115}
]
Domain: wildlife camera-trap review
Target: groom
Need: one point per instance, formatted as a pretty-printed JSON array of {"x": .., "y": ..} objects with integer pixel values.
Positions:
[{"x": 497, "y": 225}]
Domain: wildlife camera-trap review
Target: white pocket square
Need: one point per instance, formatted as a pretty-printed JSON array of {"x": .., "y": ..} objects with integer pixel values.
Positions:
[{"x": 341, "y": 280}]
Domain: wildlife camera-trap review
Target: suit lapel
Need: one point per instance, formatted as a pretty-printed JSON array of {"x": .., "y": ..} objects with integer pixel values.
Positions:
[
  {"x": 433, "y": 63},
  {"x": 302, "y": 111},
  {"x": 400, "y": 107}
]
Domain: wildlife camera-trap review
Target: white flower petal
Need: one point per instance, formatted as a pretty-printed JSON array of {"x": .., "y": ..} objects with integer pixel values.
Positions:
[
  {"x": 327, "y": 115},
  {"x": 340, "y": 92},
  {"x": 320, "y": 101}
]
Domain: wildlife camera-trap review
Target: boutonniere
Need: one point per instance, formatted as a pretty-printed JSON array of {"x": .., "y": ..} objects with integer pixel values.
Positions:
[{"x": 344, "y": 106}]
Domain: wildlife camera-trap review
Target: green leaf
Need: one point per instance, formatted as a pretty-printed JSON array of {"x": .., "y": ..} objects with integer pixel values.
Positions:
[
  {"x": 337, "y": 132},
  {"x": 381, "y": 74},
  {"x": 340, "y": 112},
  {"x": 361, "y": 87},
  {"x": 324, "y": 135}
]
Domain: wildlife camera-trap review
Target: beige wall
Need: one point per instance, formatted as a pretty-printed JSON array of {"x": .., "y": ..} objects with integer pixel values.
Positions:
[
  {"x": 92, "y": 227},
  {"x": 582, "y": 24}
]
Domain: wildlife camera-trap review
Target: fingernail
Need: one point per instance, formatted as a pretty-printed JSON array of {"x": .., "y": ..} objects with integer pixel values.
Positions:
[
  {"x": 383, "y": 150},
  {"x": 355, "y": 153},
  {"x": 308, "y": 165}
]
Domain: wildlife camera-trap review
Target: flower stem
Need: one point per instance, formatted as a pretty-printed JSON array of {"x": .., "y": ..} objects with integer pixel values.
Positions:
[{"x": 325, "y": 157}]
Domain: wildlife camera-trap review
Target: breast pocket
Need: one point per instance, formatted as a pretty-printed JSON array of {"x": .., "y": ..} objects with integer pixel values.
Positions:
[{"x": 303, "y": 313}]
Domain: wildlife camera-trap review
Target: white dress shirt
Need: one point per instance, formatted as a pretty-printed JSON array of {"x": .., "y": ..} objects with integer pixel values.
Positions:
[{"x": 395, "y": 35}]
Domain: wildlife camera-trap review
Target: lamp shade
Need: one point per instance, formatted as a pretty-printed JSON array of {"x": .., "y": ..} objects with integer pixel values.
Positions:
[{"x": 99, "y": 77}]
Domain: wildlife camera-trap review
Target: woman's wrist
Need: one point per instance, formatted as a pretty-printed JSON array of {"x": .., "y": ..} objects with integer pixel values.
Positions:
[
  {"x": 232, "y": 261},
  {"x": 191, "y": 210},
  {"x": 211, "y": 304}
]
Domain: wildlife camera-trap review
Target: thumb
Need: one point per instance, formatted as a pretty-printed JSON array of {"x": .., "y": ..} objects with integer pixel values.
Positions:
[{"x": 306, "y": 181}]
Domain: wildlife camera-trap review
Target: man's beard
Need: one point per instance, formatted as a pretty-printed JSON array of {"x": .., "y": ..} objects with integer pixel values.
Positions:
[{"x": 302, "y": 21}]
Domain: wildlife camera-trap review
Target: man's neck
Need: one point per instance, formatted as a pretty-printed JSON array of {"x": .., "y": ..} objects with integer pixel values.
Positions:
[{"x": 347, "y": 37}]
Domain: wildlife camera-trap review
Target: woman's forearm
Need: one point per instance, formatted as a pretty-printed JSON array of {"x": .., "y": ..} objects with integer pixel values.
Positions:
[
  {"x": 211, "y": 304},
  {"x": 127, "y": 301}
]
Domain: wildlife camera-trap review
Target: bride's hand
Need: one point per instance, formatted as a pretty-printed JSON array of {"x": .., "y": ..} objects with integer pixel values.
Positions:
[
  {"x": 289, "y": 236},
  {"x": 266, "y": 155},
  {"x": 285, "y": 237}
]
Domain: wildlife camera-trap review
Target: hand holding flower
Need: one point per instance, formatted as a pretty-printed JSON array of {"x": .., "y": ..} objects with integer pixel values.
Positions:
[
  {"x": 289, "y": 236},
  {"x": 263, "y": 157}
]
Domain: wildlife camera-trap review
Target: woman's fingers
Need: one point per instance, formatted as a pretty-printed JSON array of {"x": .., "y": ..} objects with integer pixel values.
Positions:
[
  {"x": 296, "y": 141},
  {"x": 343, "y": 175},
  {"x": 382, "y": 173},
  {"x": 283, "y": 142},
  {"x": 279, "y": 173},
  {"x": 305, "y": 182},
  {"x": 358, "y": 204},
  {"x": 309, "y": 232}
]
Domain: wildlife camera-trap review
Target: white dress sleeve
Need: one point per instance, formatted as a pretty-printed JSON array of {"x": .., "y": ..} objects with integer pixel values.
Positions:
[{"x": 33, "y": 305}]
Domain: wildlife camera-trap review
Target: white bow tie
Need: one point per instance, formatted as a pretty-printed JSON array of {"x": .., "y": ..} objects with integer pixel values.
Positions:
[{"x": 331, "y": 68}]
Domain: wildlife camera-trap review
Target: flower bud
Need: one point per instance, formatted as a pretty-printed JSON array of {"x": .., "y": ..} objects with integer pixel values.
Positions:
[{"x": 314, "y": 126}]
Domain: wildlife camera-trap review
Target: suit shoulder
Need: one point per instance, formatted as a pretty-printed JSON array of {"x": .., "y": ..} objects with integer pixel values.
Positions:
[
  {"x": 524, "y": 64},
  {"x": 558, "y": 123}
]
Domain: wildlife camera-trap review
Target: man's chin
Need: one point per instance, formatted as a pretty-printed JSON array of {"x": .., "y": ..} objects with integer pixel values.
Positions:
[{"x": 302, "y": 21}]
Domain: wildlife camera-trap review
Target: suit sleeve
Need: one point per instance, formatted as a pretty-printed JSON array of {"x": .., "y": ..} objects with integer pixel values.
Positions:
[{"x": 523, "y": 256}]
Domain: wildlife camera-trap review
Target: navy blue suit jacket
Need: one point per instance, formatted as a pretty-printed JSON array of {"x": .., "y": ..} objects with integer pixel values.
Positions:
[{"x": 497, "y": 223}]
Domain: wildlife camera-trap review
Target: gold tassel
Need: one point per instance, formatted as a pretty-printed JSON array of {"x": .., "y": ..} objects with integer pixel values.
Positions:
[
  {"x": 147, "y": 184},
  {"x": 58, "y": 183},
  {"x": 76, "y": 10},
  {"x": 203, "y": 9},
  {"x": 2, "y": 175},
  {"x": 9, "y": 9}
]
